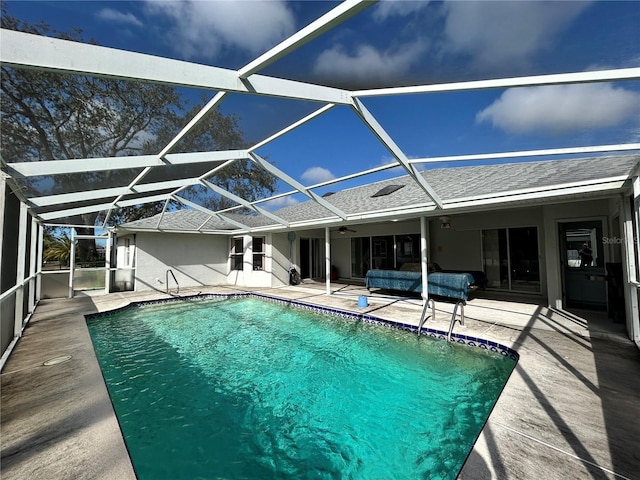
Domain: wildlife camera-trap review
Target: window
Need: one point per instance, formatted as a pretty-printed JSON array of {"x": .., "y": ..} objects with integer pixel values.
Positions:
[
  {"x": 408, "y": 250},
  {"x": 382, "y": 248},
  {"x": 258, "y": 253},
  {"x": 237, "y": 253}
]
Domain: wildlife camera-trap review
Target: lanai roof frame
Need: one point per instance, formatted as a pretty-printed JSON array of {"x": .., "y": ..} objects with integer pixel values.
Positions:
[{"x": 28, "y": 51}]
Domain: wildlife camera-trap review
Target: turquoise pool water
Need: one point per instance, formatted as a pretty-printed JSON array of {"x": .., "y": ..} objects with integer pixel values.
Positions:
[{"x": 250, "y": 389}]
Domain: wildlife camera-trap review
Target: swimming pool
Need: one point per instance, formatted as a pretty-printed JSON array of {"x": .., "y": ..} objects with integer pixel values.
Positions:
[{"x": 246, "y": 388}]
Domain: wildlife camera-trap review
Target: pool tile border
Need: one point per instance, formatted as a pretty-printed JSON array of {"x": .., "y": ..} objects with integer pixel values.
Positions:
[{"x": 460, "y": 339}]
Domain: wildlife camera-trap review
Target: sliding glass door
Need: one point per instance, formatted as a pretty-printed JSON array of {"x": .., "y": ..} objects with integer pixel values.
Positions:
[
  {"x": 386, "y": 252},
  {"x": 511, "y": 259}
]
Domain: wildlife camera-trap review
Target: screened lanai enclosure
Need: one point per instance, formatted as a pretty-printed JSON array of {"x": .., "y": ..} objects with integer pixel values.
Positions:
[{"x": 357, "y": 125}]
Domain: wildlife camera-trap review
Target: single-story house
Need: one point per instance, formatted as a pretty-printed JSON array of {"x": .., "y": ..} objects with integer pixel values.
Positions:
[{"x": 523, "y": 224}]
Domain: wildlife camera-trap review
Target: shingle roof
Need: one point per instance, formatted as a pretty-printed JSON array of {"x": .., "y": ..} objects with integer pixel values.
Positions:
[{"x": 452, "y": 184}]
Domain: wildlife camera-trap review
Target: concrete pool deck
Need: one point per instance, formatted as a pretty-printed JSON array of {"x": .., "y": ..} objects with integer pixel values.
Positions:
[{"x": 571, "y": 408}]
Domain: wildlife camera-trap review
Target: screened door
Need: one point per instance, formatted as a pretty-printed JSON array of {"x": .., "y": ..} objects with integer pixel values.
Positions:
[{"x": 583, "y": 274}]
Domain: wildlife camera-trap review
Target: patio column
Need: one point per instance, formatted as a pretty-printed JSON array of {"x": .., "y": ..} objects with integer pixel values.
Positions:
[
  {"x": 72, "y": 261},
  {"x": 39, "y": 262},
  {"x": 107, "y": 264},
  {"x": 327, "y": 259},
  {"x": 22, "y": 256},
  {"x": 632, "y": 254},
  {"x": 424, "y": 257},
  {"x": 32, "y": 263}
]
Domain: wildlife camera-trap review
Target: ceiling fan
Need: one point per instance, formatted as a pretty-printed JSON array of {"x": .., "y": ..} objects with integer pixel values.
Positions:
[{"x": 343, "y": 230}]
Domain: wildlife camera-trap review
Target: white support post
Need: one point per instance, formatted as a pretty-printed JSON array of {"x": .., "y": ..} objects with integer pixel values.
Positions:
[
  {"x": 327, "y": 258},
  {"x": 424, "y": 257},
  {"x": 32, "y": 264},
  {"x": 72, "y": 262},
  {"x": 40, "y": 260},
  {"x": 22, "y": 255},
  {"x": 633, "y": 249},
  {"x": 107, "y": 265},
  {"x": 3, "y": 189}
]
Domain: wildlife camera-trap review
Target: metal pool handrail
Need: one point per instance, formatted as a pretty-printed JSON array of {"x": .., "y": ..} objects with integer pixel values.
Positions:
[
  {"x": 174, "y": 279},
  {"x": 453, "y": 318},
  {"x": 424, "y": 316}
]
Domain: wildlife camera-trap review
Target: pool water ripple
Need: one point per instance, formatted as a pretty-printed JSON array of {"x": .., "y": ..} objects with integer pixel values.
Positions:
[{"x": 244, "y": 388}]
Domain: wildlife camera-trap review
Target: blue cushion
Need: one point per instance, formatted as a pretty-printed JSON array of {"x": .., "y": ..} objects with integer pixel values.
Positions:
[
  {"x": 394, "y": 280},
  {"x": 450, "y": 285}
]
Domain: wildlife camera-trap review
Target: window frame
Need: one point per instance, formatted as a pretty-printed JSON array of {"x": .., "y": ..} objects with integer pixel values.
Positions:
[
  {"x": 259, "y": 255},
  {"x": 236, "y": 258}
]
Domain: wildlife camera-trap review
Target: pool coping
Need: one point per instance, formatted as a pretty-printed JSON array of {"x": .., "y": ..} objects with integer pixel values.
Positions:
[{"x": 467, "y": 340}]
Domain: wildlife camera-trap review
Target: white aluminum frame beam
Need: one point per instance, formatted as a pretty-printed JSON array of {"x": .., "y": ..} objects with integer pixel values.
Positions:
[
  {"x": 62, "y": 167},
  {"x": 529, "y": 153},
  {"x": 186, "y": 129},
  {"x": 293, "y": 126},
  {"x": 63, "y": 198},
  {"x": 602, "y": 187},
  {"x": 196, "y": 206},
  {"x": 616, "y": 75},
  {"x": 459, "y": 158},
  {"x": 139, "y": 201},
  {"x": 326, "y": 22},
  {"x": 297, "y": 185},
  {"x": 25, "y": 50},
  {"x": 74, "y": 211},
  {"x": 398, "y": 154},
  {"x": 243, "y": 202},
  {"x": 100, "y": 207}
]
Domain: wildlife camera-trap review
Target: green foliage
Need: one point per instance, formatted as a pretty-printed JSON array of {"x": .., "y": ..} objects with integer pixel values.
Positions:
[
  {"x": 49, "y": 116},
  {"x": 57, "y": 248}
]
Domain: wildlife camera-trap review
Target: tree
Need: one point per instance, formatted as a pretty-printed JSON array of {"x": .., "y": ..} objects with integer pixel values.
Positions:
[
  {"x": 49, "y": 116},
  {"x": 57, "y": 248}
]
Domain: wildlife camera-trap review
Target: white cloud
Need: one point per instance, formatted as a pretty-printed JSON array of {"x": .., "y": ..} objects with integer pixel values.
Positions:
[
  {"x": 400, "y": 8},
  {"x": 111, "y": 15},
  {"x": 317, "y": 175},
  {"x": 367, "y": 63},
  {"x": 497, "y": 32},
  {"x": 561, "y": 108},
  {"x": 203, "y": 28},
  {"x": 280, "y": 203}
]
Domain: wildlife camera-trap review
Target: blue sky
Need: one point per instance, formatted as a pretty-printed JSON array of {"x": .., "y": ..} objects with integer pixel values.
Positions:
[{"x": 394, "y": 43}]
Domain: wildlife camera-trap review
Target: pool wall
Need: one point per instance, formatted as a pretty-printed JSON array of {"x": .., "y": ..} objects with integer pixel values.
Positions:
[{"x": 467, "y": 340}]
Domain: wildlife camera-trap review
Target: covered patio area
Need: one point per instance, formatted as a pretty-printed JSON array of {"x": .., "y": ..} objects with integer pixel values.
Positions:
[{"x": 569, "y": 409}]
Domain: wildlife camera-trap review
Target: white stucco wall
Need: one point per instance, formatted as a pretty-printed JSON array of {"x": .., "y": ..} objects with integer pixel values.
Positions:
[
  {"x": 341, "y": 255},
  {"x": 195, "y": 260},
  {"x": 280, "y": 259}
]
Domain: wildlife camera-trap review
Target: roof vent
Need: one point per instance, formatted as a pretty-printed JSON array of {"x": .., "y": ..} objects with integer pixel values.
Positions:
[
  {"x": 328, "y": 194},
  {"x": 389, "y": 189}
]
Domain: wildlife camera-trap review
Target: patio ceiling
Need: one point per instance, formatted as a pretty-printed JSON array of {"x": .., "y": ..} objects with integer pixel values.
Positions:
[{"x": 152, "y": 178}]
